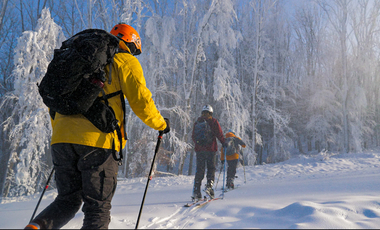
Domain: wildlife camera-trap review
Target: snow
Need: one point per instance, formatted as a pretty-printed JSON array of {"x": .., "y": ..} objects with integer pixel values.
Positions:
[{"x": 326, "y": 190}]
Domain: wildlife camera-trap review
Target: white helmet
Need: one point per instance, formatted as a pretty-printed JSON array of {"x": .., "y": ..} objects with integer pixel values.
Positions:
[{"x": 207, "y": 108}]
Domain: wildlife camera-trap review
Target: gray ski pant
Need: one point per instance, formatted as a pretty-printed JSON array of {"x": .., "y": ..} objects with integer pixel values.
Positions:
[
  {"x": 204, "y": 159},
  {"x": 231, "y": 171}
]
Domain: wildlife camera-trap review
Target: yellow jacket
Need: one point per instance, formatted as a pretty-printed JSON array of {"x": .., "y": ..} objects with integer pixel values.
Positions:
[
  {"x": 234, "y": 156},
  {"x": 127, "y": 75}
]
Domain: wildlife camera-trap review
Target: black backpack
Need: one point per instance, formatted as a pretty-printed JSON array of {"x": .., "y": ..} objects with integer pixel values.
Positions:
[
  {"x": 231, "y": 146},
  {"x": 76, "y": 76},
  {"x": 202, "y": 133}
]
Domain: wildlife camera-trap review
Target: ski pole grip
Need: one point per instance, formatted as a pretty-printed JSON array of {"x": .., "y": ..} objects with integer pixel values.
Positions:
[{"x": 160, "y": 133}]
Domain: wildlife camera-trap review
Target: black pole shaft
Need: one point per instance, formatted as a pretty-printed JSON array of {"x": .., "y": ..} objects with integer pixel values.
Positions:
[
  {"x": 42, "y": 194},
  {"x": 149, "y": 176}
]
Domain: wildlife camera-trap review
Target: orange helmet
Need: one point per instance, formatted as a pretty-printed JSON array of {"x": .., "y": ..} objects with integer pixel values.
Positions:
[{"x": 128, "y": 34}]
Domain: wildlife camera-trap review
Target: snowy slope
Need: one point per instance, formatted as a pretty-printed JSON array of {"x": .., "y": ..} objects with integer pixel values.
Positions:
[{"x": 322, "y": 191}]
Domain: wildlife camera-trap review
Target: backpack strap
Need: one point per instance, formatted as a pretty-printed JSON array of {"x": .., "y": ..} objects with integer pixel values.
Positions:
[
  {"x": 110, "y": 66},
  {"x": 52, "y": 113},
  {"x": 118, "y": 131},
  {"x": 118, "y": 92},
  {"x": 110, "y": 74},
  {"x": 105, "y": 98},
  {"x": 120, "y": 158}
]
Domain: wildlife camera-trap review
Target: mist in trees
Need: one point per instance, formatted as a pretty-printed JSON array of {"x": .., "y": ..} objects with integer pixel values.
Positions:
[{"x": 289, "y": 77}]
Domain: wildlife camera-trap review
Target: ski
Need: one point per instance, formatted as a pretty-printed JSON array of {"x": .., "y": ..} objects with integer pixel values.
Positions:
[
  {"x": 201, "y": 204},
  {"x": 230, "y": 189},
  {"x": 194, "y": 202}
]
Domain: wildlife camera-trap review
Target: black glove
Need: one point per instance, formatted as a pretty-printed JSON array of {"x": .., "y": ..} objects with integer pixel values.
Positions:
[
  {"x": 167, "y": 129},
  {"x": 225, "y": 144}
]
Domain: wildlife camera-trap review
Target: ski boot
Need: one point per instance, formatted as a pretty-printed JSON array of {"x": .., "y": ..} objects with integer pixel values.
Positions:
[
  {"x": 32, "y": 226},
  {"x": 209, "y": 190},
  {"x": 197, "y": 195},
  {"x": 230, "y": 183}
]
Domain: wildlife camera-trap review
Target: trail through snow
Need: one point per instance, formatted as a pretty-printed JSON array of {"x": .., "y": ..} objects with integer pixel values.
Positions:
[{"x": 321, "y": 191}]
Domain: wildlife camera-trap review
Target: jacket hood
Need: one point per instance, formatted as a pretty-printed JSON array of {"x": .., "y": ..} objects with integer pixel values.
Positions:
[{"x": 230, "y": 134}]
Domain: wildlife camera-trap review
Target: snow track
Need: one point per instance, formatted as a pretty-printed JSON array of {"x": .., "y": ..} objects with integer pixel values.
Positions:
[{"x": 322, "y": 191}]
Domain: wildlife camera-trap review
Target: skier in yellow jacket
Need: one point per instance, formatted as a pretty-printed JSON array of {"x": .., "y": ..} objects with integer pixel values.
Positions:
[
  {"x": 85, "y": 169},
  {"x": 232, "y": 158}
]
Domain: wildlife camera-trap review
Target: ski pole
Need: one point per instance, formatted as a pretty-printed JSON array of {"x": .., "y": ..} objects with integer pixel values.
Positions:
[
  {"x": 42, "y": 194},
  {"x": 149, "y": 176},
  {"x": 245, "y": 179},
  {"x": 220, "y": 171},
  {"x": 224, "y": 171}
]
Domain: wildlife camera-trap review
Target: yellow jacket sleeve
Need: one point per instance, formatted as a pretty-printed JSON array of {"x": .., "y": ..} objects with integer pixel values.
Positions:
[{"x": 139, "y": 97}]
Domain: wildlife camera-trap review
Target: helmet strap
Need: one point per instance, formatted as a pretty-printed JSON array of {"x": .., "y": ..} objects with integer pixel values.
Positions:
[{"x": 132, "y": 47}]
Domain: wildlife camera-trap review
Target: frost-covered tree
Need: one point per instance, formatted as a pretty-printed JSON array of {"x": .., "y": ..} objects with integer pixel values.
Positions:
[
  {"x": 222, "y": 37},
  {"x": 337, "y": 12},
  {"x": 364, "y": 94},
  {"x": 251, "y": 55},
  {"x": 264, "y": 54},
  {"x": 163, "y": 66},
  {"x": 324, "y": 123},
  {"x": 29, "y": 123},
  {"x": 158, "y": 60},
  {"x": 307, "y": 78}
]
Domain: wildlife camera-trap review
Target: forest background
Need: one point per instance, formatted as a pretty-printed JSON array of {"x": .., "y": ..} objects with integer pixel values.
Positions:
[{"x": 289, "y": 77}]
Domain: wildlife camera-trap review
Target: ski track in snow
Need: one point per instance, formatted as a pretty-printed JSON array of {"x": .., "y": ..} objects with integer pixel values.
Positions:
[{"x": 182, "y": 215}]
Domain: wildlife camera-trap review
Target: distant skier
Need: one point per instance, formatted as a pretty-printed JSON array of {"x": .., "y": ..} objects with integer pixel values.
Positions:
[
  {"x": 205, "y": 129},
  {"x": 232, "y": 156}
]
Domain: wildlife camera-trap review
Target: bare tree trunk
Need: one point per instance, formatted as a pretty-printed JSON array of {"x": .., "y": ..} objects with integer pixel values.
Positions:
[
  {"x": 4, "y": 158},
  {"x": 299, "y": 143},
  {"x": 181, "y": 164},
  {"x": 340, "y": 25},
  {"x": 255, "y": 74},
  {"x": 343, "y": 36},
  {"x": 22, "y": 17},
  {"x": 2, "y": 13}
]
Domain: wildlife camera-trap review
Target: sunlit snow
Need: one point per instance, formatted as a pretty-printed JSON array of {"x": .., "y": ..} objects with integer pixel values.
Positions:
[{"x": 320, "y": 191}]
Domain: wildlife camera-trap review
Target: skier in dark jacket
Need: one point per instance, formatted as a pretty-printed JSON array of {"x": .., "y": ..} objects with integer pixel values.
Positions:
[{"x": 205, "y": 154}]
